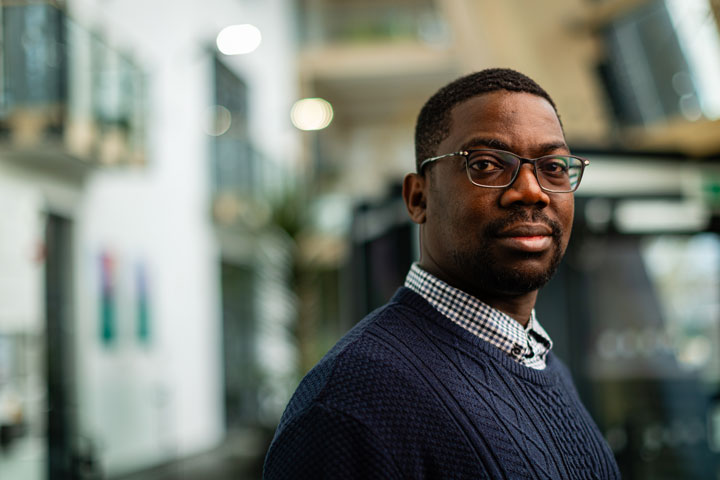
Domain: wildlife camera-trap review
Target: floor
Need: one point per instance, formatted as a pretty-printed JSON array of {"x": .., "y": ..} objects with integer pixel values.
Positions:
[{"x": 238, "y": 458}]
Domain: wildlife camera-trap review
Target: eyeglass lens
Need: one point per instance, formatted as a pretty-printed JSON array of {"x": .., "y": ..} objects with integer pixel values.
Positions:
[{"x": 497, "y": 169}]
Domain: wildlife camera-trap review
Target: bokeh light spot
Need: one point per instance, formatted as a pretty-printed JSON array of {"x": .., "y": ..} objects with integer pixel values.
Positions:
[
  {"x": 217, "y": 120},
  {"x": 239, "y": 39},
  {"x": 311, "y": 114}
]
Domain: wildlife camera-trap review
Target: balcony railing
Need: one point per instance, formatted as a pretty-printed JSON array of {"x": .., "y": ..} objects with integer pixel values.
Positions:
[
  {"x": 324, "y": 22},
  {"x": 63, "y": 88}
]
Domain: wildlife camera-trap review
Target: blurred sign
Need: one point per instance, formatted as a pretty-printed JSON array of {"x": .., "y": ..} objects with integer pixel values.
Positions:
[
  {"x": 711, "y": 191},
  {"x": 143, "y": 304},
  {"x": 108, "y": 326}
]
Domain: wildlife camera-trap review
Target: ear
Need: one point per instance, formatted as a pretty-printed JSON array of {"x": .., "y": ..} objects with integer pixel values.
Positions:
[{"x": 414, "y": 196}]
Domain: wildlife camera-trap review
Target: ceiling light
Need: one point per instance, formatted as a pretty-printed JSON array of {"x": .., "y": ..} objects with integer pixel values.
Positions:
[
  {"x": 239, "y": 39},
  {"x": 311, "y": 114}
]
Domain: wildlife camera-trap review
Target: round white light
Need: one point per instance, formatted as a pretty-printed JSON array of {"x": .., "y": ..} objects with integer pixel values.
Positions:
[
  {"x": 311, "y": 114},
  {"x": 238, "y": 39},
  {"x": 217, "y": 120}
]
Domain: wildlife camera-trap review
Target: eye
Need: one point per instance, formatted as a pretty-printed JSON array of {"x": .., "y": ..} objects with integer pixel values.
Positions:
[
  {"x": 555, "y": 166},
  {"x": 485, "y": 162}
]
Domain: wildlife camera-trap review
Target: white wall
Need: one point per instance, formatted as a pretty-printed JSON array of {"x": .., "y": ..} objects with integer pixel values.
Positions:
[
  {"x": 21, "y": 275},
  {"x": 144, "y": 404}
]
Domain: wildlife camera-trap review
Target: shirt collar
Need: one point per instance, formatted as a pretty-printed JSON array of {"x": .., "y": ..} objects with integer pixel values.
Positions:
[{"x": 527, "y": 345}]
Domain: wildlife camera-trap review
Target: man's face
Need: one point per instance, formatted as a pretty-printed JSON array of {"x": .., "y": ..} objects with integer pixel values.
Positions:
[{"x": 495, "y": 241}]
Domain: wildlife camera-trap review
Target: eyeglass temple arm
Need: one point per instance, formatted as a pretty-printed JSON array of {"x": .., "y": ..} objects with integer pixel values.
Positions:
[{"x": 432, "y": 159}]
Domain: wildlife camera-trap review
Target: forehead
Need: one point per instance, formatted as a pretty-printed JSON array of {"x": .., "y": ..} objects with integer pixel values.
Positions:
[{"x": 517, "y": 119}]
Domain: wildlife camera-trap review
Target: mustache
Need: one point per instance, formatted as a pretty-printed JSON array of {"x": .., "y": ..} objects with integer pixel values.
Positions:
[{"x": 523, "y": 215}]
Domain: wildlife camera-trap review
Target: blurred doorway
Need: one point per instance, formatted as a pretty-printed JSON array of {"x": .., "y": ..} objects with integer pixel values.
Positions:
[
  {"x": 60, "y": 374},
  {"x": 239, "y": 331}
]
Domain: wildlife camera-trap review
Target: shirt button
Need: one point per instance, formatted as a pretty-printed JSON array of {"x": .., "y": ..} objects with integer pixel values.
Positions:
[{"x": 516, "y": 349}]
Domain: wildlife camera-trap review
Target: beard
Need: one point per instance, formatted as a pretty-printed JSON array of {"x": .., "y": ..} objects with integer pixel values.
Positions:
[{"x": 492, "y": 276}]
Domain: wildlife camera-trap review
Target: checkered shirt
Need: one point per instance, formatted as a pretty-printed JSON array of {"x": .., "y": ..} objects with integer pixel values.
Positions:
[{"x": 528, "y": 346}]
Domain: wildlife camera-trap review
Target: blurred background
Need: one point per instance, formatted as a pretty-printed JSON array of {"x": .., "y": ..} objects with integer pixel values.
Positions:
[{"x": 197, "y": 199}]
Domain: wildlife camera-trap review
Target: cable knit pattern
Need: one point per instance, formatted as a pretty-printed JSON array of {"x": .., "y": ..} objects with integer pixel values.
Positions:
[{"x": 409, "y": 394}]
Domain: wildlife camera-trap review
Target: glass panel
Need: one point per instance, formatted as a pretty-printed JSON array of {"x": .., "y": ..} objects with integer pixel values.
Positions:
[
  {"x": 684, "y": 274},
  {"x": 647, "y": 73},
  {"x": 697, "y": 30},
  {"x": 651, "y": 319},
  {"x": 34, "y": 71},
  {"x": 236, "y": 163}
]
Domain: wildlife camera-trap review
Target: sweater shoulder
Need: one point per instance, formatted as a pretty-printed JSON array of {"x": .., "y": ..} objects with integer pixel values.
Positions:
[
  {"x": 359, "y": 362},
  {"x": 373, "y": 392},
  {"x": 324, "y": 443}
]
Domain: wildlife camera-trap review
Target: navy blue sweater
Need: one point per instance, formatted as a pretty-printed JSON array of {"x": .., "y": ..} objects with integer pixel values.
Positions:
[{"x": 409, "y": 394}]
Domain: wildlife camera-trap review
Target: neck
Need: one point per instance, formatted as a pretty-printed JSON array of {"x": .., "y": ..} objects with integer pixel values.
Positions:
[{"x": 517, "y": 306}]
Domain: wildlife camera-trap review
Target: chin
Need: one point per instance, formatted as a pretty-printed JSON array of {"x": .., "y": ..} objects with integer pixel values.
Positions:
[
  {"x": 517, "y": 277},
  {"x": 520, "y": 282}
]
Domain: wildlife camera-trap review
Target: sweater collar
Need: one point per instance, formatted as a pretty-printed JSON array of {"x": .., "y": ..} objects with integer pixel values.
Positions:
[{"x": 528, "y": 345}]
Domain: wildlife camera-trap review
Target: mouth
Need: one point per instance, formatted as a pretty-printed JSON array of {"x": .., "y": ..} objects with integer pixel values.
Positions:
[
  {"x": 534, "y": 244},
  {"x": 527, "y": 237}
]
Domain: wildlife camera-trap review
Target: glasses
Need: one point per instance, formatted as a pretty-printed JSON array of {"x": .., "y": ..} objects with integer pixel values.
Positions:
[{"x": 499, "y": 169}]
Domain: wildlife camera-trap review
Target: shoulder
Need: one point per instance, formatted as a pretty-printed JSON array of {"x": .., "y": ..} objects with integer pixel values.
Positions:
[
  {"x": 563, "y": 372},
  {"x": 357, "y": 366},
  {"x": 322, "y": 442},
  {"x": 353, "y": 405}
]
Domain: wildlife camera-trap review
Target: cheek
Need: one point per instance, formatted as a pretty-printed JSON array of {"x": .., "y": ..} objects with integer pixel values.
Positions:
[
  {"x": 565, "y": 215},
  {"x": 443, "y": 220},
  {"x": 447, "y": 221},
  {"x": 443, "y": 205}
]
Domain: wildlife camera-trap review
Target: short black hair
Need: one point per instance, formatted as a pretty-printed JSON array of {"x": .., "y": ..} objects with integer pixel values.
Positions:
[{"x": 434, "y": 121}]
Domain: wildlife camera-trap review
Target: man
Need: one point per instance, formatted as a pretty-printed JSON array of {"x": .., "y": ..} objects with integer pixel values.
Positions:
[{"x": 454, "y": 377}]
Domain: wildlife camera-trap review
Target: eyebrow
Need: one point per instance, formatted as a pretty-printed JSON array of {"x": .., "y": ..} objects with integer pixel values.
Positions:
[{"x": 496, "y": 144}]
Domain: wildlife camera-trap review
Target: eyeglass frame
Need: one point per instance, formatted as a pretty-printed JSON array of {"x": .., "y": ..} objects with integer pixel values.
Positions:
[{"x": 532, "y": 161}]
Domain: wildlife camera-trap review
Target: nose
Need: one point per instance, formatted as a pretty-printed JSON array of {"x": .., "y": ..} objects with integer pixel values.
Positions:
[{"x": 525, "y": 190}]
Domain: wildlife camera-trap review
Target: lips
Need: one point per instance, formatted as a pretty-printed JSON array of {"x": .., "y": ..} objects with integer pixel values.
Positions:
[
  {"x": 527, "y": 237},
  {"x": 527, "y": 230}
]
